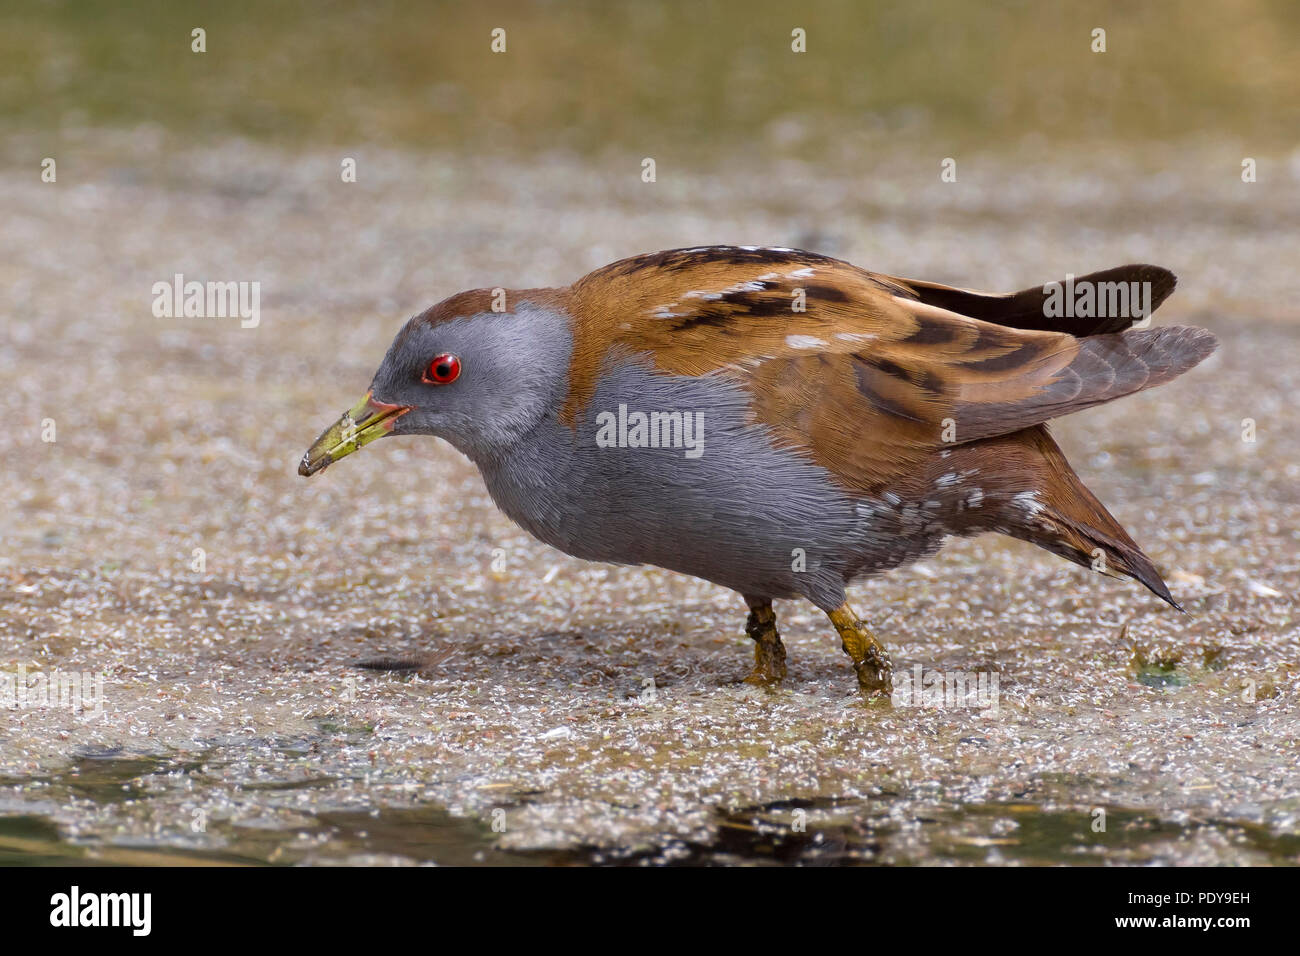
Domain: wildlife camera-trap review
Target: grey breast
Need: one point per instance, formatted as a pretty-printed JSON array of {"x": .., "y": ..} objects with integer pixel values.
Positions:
[{"x": 715, "y": 499}]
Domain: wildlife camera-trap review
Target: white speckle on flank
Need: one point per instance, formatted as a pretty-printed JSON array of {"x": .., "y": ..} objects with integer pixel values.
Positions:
[
  {"x": 804, "y": 342},
  {"x": 952, "y": 478},
  {"x": 975, "y": 498},
  {"x": 854, "y": 336},
  {"x": 1027, "y": 501},
  {"x": 802, "y": 273}
]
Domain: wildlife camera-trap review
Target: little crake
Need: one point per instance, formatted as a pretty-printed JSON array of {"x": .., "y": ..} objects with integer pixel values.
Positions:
[{"x": 778, "y": 422}]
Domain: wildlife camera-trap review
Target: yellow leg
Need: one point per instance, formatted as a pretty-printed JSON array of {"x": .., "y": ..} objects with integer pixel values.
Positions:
[
  {"x": 870, "y": 659},
  {"x": 769, "y": 652}
]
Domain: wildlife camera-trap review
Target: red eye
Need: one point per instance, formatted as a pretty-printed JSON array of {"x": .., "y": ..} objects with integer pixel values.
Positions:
[{"x": 443, "y": 370}]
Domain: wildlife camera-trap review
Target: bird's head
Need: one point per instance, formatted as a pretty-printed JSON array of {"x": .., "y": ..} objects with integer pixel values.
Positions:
[{"x": 467, "y": 370}]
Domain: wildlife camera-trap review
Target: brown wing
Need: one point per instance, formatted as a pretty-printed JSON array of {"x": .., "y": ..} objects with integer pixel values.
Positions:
[
  {"x": 874, "y": 416},
  {"x": 845, "y": 365},
  {"x": 873, "y": 412}
]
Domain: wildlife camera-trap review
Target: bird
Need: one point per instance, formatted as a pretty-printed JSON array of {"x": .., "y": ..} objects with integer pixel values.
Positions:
[{"x": 779, "y": 422}]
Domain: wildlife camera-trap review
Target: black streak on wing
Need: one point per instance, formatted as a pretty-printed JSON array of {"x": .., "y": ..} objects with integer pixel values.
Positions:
[
  {"x": 674, "y": 259},
  {"x": 865, "y": 372}
]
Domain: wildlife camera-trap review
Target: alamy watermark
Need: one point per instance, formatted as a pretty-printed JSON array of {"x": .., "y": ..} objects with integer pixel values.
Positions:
[
  {"x": 208, "y": 300},
  {"x": 81, "y": 692},
  {"x": 949, "y": 690},
  {"x": 1087, "y": 299},
  {"x": 74, "y": 908},
  {"x": 626, "y": 429}
]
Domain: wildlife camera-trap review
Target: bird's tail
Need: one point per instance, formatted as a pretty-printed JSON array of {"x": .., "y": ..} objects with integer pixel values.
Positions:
[{"x": 1048, "y": 505}]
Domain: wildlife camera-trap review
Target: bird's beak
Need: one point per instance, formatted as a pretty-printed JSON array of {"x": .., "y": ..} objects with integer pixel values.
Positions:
[{"x": 358, "y": 426}]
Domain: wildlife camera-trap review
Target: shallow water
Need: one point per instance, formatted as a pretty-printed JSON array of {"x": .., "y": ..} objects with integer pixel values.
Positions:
[
  {"x": 566, "y": 712},
  {"x": 881, "y": 829}
]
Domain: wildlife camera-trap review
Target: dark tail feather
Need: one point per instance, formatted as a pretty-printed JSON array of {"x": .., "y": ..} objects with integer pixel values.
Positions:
[
  {"x": 1026, "y": 309},
  {"x": 1029, "y": 305}
]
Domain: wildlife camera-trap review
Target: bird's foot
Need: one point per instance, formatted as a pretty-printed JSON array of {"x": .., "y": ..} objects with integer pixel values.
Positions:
[
  {"x": 869, "y": 657},
  {"x": 769, "y": 652},
  {"x": 875, "y": 672},
  {"x": 769, "y": 665}
]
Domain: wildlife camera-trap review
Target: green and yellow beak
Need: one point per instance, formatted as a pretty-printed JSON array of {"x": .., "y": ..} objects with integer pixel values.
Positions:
[{"x": 358, "y": 426}]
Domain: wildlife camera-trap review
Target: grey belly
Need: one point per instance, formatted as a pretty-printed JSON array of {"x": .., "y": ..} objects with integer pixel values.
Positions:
[{"x": 733, "y": 509}]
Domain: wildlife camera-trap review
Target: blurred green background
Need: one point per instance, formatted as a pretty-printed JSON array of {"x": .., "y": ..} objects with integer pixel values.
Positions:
[{"x": 686, "y": 76}]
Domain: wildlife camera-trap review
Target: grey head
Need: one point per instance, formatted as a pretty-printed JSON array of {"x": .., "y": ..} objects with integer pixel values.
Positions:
[{"x": 461, "y": 371}]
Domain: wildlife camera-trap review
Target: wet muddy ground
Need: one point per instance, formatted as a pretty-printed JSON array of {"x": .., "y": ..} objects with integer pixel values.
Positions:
[{"x": 568, "y": 712}]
